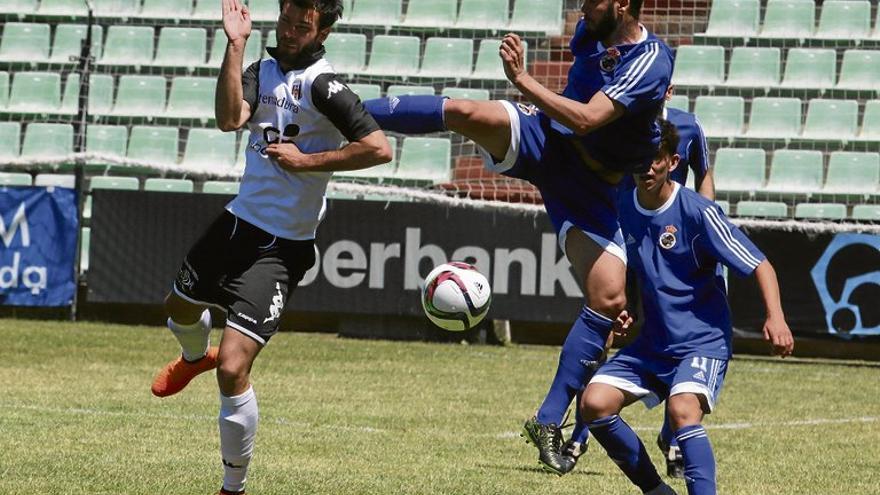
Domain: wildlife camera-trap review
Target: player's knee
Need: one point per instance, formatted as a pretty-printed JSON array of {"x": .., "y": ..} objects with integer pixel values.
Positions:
[
  {"x": 608, "y": 303},
  {"x": 232, "y": 376},
  {"x": 595, "y": 404},
  {"x": 180, "y": 310},
  {"x": 684, "y": 410},
  {"x": 459, "y": 110}
]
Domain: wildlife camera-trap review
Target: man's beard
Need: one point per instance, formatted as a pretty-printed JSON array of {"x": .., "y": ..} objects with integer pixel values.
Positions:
[
  {"x": 304, "y": 53},
  {"x": 607, "y": 25}
]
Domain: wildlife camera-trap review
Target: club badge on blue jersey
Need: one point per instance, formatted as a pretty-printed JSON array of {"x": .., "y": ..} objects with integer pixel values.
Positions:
[
  {"x": 610, "y": 60},
  {"x": 667, "y": 239}
]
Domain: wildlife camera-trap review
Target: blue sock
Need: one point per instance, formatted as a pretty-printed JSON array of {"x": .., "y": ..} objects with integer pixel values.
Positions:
[
  {"x": 408, "y": 114},
  {"x": 699, "y": 461},
  {"x": 581, "y": 433},
  {"x": 577, "y": 362},
  {"x": 626, "y": 450},
  {"x": 666, "y": 432}
]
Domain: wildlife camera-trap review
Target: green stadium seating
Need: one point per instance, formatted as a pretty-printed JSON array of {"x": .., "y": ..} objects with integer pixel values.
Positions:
[
  {"x": 852, "y": 173},
  {"x": 210, "y": 149},
  {"x": 754, "y": 67},
  {"x": 734, "y": 18},
  {"x": 100, "y": 94},
  {"x": 376, "y": 12},
  {"x": 398, "y": 89},
  {"x": 721, "y": 116},
  {"x": 431, "y": 13},
  {"x": 168, "y": 185},
  {"x": 153, "y": 144},
  {"x": 24, "y": 42},
  {"x": 219, "y": 187},
  {"x": 466, "y": 93},
  {"x": 488, "y": 64},
  {"x": 35, "y": 92},
  {"x": 140, "y": 96},
  {"x": 128, "y": 45},
  {"x": 739, "y": 169},
  {"x": 72, "y": 8},
  {"x": 425, "y": 159},
  {"x": 116, "y": 183},
  {"x": 117, "y": 8},
  {"x": 47, "y": 140},
  {"x": 860, "y": 70},
  {"x": 820, "y": 211},
  {"x": 761, "y": 209},
  {"x": 70, "y": 99},
  {"x": 832, "y": 120},
  {"x": 394, "y": 56},
  {"x": 698, "y": 65},
  {"x": 871, "y": 122},
  {"x": 85, "y": 242},
  {"x": 378, "y": 173},
  {"x": 168, "y": 9},
  {"x": 795, "y": 172},
  {"x": 4, "y": 89},
  {"x": 252, "y": 51},
  {"x": 109, "y": 140},
  {"x": 845, "y": 19},
  {"x": 181, "y": 47},
  {"x": 680, "y": 102},
  {"x": 870, "y": 213},
  {"x": 55, "y": 180},
  {"x": 347, "y": 52},
  {"x": 10, "y": 137},
  {"x": 812, "y": 68},
  {"x": 366, "y": 91},
  {"x": 192, "y": 97},
  {"x": 20, "y": 7},
  {"x": 15, "y": 179},
  {"x": 451, "y": 58},
  {"x": 263, "y": 10},
  {"x": 537, "y": 15},
  {"x": 209, "y": 10},
  {"x": 724, "y": 205},
  {"x": 483, "y": 14},
  {"x": 775, "y": 118},
  {"x": 789, "y": 19},
  {"x": 68, "y": 41}
]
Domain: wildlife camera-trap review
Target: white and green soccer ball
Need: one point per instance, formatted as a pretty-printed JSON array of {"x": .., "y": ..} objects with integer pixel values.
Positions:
[{"x": 456, "y": 297}]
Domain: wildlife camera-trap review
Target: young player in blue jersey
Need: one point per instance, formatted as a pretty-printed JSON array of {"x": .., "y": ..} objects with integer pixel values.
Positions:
[
  {"x": 676, "y": 241},
  {"x": 576, "y": 148}
]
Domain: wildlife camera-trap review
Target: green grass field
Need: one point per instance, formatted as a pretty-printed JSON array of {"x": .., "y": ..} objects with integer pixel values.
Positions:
[{"x": 374, "y": 417}]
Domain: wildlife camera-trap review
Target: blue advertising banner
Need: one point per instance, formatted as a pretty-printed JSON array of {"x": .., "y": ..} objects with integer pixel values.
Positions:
[{"x": 38, "y": 228}]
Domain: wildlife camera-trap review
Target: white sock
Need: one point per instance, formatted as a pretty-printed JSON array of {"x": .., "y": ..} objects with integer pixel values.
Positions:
[
  {"x": 195, "y": 338},
  {"x": 239, "y": 416}
]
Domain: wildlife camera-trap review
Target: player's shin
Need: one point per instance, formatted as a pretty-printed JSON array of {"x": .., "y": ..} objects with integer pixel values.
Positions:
[
  {"x": 626, "y": 450},
  {"x": 408, "y": 114},
  {"x": 194, "y": 338},
  {"x": 699, "y": 460},
  {"x": 238, "y": 420}
]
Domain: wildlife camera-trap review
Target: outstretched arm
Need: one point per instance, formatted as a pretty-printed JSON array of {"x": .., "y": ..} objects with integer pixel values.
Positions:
[
  {"x": 776, "y": 330},
  {"x": 230, "y": 109}
]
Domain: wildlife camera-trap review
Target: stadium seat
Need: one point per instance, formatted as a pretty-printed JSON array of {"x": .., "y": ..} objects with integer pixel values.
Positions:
[
  {"x": 451, "y": 58},
  {"x": 852, "y": 173},
  {"x": 116, "y": 183},
  {"x": 398, "y": 89},
  {"x": 347, "y": 52},
  {"x": 724, "y": 205},
  {"x": 209, "y": 149},
  {"x": 680, "y": 102},
  {"x": 68, "y": 41},
  {"x": 820, "y": 211},
  {"x": 537, "y": 15},
  {"x": 488, "y": 64},
  {"x": 812, "y": 68},
  {"x": 85, "y": 242},
  {"x": 483, "y": 14},
  {"x": 739, "y": 169},
  {"x": 10, "y": 137},
  {"x": 845, "y": 19},
  {"x": 754, "y": 67},
  {"x": 181, "y": 47},
  {"x": 117, "y": 8},
  {"x": 734, "y": 18},
  {"x": 430, "y": 13},
  {"x": 721, "y": 116},
  {"x": 19, "y": 7},
  {"x": 789, "y": 19},
  {"x": 466, "y": 93},
  {"x": 55, "y": 180},
  {"x": 153, "y": 144},
  {"x": 47, "y": 140},
  {"x": 860, "y": 70},
  {"x": 425, "y": 159},
  {"x": 209, "y": 10},
  {"x": 775, "y": 118},
  {"x": 110, "y": 140},
  {"x": 219, "y": 187},
  {"x": 252, "y": 51},
  {"x": 832, "y": 120},
  {"x": 168, "y": 185},
  {"x": 167, "y": 9},
  {"x": 15, "y": 179},
  {"x": 698, "y": 65},
  {"x": 871, "y": 122},
  {"x": 394, "y": 56},
  {"x": 24, "y": 42},
  {"x": 378, "y": 173},
  {"x": 100, "y": 94},
  {"x": 376, "y": 12},
  {"x": 795, "y": 172},
  {"x": 192, "y": 97},
  {"x": 761, "y": 209},
  {"x": 71, "y": 8},
  {"x": 140, "y": 96},
  {"x": 128, "y": 45},
  {"x": 264, "y": 10},
  {"x": 869, "y": 213},
  {"x": 35, "y": 92},
  {"x": 366, "y": 91},
  {"x": 4, "y": 90}
]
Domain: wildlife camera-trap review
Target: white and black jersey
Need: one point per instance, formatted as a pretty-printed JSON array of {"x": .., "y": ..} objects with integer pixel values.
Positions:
[{"x": 312, "y": 108}]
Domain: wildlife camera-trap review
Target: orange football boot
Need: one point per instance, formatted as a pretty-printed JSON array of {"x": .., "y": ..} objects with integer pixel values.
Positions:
[{"x": 178, "y": 373}]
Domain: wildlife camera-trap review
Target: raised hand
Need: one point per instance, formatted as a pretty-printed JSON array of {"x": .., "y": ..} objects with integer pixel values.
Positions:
[
  {"x": 236, "y": 21},
  {"x": 513, "y": 57}
]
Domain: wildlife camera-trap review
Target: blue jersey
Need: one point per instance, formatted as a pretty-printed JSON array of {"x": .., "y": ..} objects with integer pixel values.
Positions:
[
  {"x": 692, "y": 148},
  {"x": 635, "y": 76},
  {"x": 675, "y": 251}
]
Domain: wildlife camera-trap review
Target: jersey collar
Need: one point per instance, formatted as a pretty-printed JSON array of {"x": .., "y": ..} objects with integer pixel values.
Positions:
[
  {"x": 664, "y": 207},
  {"x": 642, "y": 39}
]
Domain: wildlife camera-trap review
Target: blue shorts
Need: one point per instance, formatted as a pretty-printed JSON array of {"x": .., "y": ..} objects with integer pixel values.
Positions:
[
  {"x": 574, "y": 196},
  {"x": 656, "y": 379}
]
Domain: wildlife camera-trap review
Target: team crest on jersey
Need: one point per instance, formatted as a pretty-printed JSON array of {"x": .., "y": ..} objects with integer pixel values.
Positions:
[
  {"x": 530, "y": 110},
  {"x": 296, "y": 90},
  {"x": 667, "y": 238},
  {"x": 610, "y": 60}
]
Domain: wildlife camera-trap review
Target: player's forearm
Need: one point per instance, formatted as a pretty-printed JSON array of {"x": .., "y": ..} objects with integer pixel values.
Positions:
[
  {"x": 355, "y": 156},
  {"x": 706, "y": 187},
  {"x": 228, "y": 99},
  {"x": 570, "y": 113},
  {"x": 769, "y": 285}
]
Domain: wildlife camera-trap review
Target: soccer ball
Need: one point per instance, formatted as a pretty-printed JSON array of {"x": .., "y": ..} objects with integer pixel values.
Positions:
[{"x": 456, "y": 296}]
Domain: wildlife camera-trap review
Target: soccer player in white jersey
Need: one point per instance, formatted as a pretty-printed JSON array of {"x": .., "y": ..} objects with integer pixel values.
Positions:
[{"x": 251, "y": 258}]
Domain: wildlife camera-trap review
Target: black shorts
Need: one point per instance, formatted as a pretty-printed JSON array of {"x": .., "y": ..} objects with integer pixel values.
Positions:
[{"x": 246, "y": 271}]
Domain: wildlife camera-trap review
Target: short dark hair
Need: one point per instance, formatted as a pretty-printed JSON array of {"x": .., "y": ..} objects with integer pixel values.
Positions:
[
  {"x": 329, "y": 11},
  {"x": 668, "y": 138},
  {"x": 635, "y": 8}
]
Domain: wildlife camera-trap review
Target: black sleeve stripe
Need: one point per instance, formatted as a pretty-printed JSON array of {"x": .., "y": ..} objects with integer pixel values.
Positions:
[
  {"x": 250, "y": 85},
  {"x": 333, "y": 98}
]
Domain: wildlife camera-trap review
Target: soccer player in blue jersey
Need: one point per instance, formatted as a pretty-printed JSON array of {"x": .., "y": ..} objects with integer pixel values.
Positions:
[
  {"x": 693, "y": 152},
  {"x": 576, "y": 148},
  {"x": 676, "y": 241}
]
